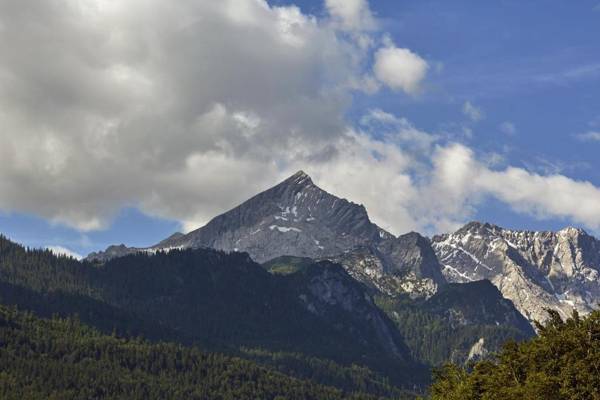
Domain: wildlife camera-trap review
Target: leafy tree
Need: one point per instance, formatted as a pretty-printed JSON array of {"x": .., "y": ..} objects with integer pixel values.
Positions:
[{"x": 561, "y": 363}]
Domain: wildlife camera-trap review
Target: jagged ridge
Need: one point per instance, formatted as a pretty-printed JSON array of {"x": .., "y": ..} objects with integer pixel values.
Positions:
[
  {"x": 536, "y": 270},
  {"x": 297, "y": 218}
]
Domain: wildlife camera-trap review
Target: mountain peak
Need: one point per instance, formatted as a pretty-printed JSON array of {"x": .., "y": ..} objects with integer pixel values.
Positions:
[
  {"x": 300, "y": 178},
  {"x": 572, "y": 231},
  {"x": 477, "y": 226},
  {"x": 301, "y": 174}
]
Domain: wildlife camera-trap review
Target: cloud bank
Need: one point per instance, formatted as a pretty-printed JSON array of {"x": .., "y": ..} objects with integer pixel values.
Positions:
[{"x": 184, "y": 109}]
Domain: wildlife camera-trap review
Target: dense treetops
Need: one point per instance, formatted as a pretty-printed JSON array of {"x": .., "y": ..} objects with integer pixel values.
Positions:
[
  {"x": 188, "y": 297},
  {"x": 223, "y": 302},
  {"x": 562, "y": 363},
  {"x": 63, "y": 359},
  {"x": 433, "y": 338}
]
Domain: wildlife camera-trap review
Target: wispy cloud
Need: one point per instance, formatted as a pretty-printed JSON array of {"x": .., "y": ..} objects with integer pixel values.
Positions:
[
  {"x": 574, "y": 74},
  {"x": 508, "y": 128},
  {"x": 473, "y": 112},
  {"x": 530, "y": 75},
  {"x": 591, "y": 136}
]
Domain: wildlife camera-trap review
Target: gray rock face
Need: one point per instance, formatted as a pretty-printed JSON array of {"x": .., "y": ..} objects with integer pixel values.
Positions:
[
  {"x": 478, "y": 351},
  {"x": 293, "y": 218},
  {"x": 404, "y": 264},
  {"x": 331, "y": 293},
  {"x": 536, "y": 270},
  {"x": 297, "y": 218},
  {"x": 112, "y": 252}
]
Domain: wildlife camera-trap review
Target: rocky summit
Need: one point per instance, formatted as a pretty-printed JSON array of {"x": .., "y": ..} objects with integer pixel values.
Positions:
[
  {"x": 294, "y": 218},
  {"x": 536, "y": 270},
  {"x": 297, "y": 218}
]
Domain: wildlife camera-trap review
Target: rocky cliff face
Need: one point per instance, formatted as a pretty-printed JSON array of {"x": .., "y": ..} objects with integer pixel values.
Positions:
[
  {"x": 297, "y": 218},
  {"x": 403, "y": 264},
  {"x": 329, "y": 292},
  {"x": 294, "y": 218},
  {"x": 536, "y": 270}
]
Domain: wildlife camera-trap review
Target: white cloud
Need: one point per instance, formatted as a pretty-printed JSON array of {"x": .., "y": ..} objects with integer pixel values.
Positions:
[
  {"x": 398, "y": 130},
  {"x": 63, "y": 251},
  {"x": 184, "y": 109},
  {"x": 591, "y": 136},
  {"x": 508, "y": 128},
  {"x": 544, "y": 196},
  {"x": 465, "y": 181},
  {"x": 351, "y": 15},
  {"x": 472, "y": 112},
  {"x": 100, "y": 111},
  {"x": 442, "y": 191},
  {"x": 400, "y": 69}
]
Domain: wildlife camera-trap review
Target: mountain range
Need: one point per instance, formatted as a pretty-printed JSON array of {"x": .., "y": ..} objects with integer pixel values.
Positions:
[
  {"x": 303, "y": 282},
  {"x": 297, "y": 218},
  {"x": 535, "y": 270}
]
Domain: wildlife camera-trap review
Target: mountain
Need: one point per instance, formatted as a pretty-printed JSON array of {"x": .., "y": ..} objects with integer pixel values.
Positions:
[
  {"x": 535, "y": 270},
  {"x": 221, "y": 301},
  {"x": 297, "y": 218},
  {"x": 459, "y": 323},
  {"x": 329, "y": 292},
  {"x": 294, "y": 218},
  {"x": 406, "y": 264}
]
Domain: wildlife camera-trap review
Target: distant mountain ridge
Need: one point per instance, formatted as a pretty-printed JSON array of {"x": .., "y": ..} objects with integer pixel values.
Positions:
[
  {"x": 535, "y": 270},
  {"x": 297, "y": 218}
]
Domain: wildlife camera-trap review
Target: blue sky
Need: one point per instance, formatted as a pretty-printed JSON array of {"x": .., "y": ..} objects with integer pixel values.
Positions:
[{"x": 516, "y": 83}]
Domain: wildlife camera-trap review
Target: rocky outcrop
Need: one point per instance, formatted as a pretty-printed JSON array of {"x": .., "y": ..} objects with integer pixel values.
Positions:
[
  {"x": 111, "y": 252},
  {"x": 329, "y": 292},
  {"x": 535, "y": 270},
  {"x": 406, "y": 264},
  {"x": 478, "y": 351}
]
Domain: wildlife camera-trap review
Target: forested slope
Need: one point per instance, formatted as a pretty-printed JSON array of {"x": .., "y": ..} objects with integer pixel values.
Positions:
[{"x": 63, "y": 359}]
